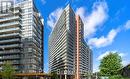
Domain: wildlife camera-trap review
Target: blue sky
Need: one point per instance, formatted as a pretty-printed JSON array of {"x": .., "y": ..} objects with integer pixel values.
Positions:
[{"x": 106, "y": 25}]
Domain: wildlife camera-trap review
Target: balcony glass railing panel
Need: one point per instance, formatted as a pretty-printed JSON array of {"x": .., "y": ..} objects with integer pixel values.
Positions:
[
  {"x": 2, "y": 15},
  {"x": 10, "y": 35},
  {"x": 9, "y": 18},
  {"x": 10, "y": 29},
  {"x": 8, "y": 46},
  {"x": 9, "y": 51},
  {"x": 10, "y": 24},
  {"x": 12, "y": 61},
  {"x": 10, "y": 40},
  {"x": 16, "y": 11},
  {"x": 10, "y": 57}
]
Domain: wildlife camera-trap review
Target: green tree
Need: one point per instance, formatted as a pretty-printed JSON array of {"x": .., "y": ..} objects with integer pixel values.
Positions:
[
  {"x": 116, "y": 77},
  {"x": 54, "y": 75},
  {"x": 110, "y": 64},
  {"x": 8, "y": 71},
  {"x": 88, "y": 75}
]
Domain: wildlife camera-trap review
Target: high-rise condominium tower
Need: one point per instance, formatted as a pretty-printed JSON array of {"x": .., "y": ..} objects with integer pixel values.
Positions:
[
  {"x": 21, "y": 36},
  {"x": 69, "y": 55}
]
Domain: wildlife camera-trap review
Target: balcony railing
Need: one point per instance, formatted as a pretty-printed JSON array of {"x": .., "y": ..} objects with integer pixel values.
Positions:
[
  {"x": 10, "y": 24},
  {"x": 10, "y": 35},
  {"x": 14, "y": 12},
  {"x": 12, "y": 62},
  {"x": 10, "y": 40},
  {"x": 9, "y": 57},
  {"x": 2, "y": 15},
  {"x": 9, "y": 51},
  {"x": 10, "y": 29},
  {"x": 10, "y": 18},
  {"x": 10, "y": 46}
]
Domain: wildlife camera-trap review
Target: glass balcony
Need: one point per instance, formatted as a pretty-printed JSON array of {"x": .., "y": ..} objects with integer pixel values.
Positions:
[
  {"x": 16, "y": 62},
  {"x": 9, "y": 57},
  {"x": 10, "y": 35},
  {"x": 12, "y": 62},
  {"x": 9, "y": 18},
  {"x": 10, "y": 24},
  {"x": 16, "y": 12},
  {"x": 10, "y": 29},
  {"x": 10, "y": 40},
  {"x": 3, "y": 15},
  {"x": 10, "y": 46},
  {"x": 3, "y": 52}
]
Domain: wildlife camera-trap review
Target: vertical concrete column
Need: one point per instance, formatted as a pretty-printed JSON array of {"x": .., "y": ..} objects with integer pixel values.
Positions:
[
  {"x": 77, "y": 44},
  {"x": 65, "y": 76}
]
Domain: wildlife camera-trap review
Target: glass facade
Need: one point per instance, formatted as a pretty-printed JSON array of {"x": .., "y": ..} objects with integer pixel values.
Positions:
[
  {"x": 63, "y": 47},
  {"x": 10, "y": 38},
  {"x": 21, "y": 37},
  {"x": 32, "y": 37}
]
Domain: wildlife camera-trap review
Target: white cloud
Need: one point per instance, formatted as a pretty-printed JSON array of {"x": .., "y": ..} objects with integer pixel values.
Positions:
[
  {"x": 81, "y": 11},
  {"x": 127, "y": 25},
  {"x": 53, "y": 17},
  {"x": 95, "y": 19},
  {"x": 104, "y": 54},
  {"x": 91, "y": 21},
  {"x": 103, "y": 41},
  {"x": 108, "y": 52},
  {"x": 125, "y": 62},
  {"x": 96, "y": 67},
  {"x": 122, "y": 54},
  {"x": 46, "y": 69}
]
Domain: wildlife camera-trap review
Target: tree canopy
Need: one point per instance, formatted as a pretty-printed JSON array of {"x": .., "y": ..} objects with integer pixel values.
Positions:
[
  {"x": 8, "y": 71},
  {"x": 54, "y": 75},
  {"x": 110, "y": 64}
]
